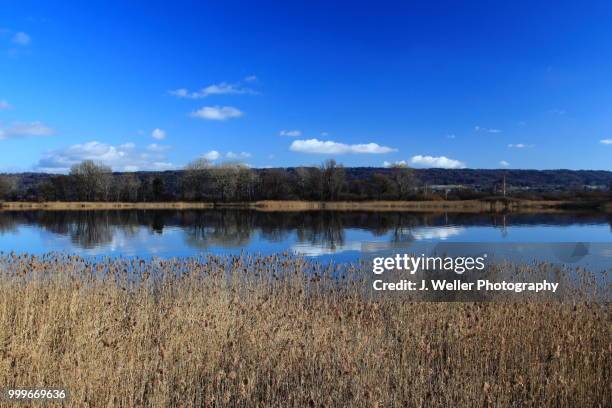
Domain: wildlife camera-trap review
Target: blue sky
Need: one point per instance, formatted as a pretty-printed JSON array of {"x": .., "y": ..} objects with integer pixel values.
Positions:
[{"x": 155, "y": 85}]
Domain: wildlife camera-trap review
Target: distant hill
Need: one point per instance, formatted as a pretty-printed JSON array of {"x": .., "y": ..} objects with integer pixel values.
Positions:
[{"x": 483, "y": 179}]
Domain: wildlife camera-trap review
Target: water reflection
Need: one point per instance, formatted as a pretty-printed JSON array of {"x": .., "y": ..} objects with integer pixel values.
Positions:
[
  {"x": 224, "y": 228},
  {"x": 311, "y": 233}
]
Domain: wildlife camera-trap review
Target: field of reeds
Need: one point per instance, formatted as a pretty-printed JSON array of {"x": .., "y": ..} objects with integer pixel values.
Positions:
[
  {"x": 468, "y": 206},
  {"x": 282, "y": 331}
]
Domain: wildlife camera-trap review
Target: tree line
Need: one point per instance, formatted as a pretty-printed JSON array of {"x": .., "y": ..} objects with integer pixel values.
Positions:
[{"x": 202, "y": 180}]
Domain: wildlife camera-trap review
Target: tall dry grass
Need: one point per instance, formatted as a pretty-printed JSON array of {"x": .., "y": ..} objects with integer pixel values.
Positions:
[
  {"x": 277, "y": 331},
  {"x": 467, "y": 206}
]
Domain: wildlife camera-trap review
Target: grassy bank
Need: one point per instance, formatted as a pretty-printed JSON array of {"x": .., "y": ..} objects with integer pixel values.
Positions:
[
  {"x": 419, "y": 206},
  {"x": 84, "y": 205},
  {"x": 275, "y": 331},
  {"x": 414, "y": 206}
]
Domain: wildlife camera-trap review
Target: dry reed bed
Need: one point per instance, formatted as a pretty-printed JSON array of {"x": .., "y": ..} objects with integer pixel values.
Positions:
[
  {"x": 469, "y": 206},
  {"x": 84, "y": 205},
  {"x": 277, "y": 331}
]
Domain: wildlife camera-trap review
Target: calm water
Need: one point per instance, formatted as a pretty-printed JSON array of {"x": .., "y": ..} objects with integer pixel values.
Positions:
[{"x": 324, "y": 234}]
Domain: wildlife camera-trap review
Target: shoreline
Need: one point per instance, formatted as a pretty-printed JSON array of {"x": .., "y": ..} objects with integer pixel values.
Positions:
[{"x": 493, "y": 205}]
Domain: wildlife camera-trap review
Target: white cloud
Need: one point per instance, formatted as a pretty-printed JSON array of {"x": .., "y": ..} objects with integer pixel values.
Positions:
[
  {"x": 290, "y": 133},
  {"x": 124, "y": 157},
  {"x": 4, "y": 105},
  {"x": 215, "y": 155},
  {"x": 212, "y": 155},
  {"x": 442, "y": 233},
  {"x": 442, "y": 162},
  {"x": 519, "y": 145},
  {"x": 222, "y": 88},
  {"x": 329, "y": 147},
  {"x": 504, "y": 163},
  {"x": 606, "y": 141},
  {"x": 307, "y": 249},
  {"x": 180, "y": 93},
  {"x": 154, "y": 147},
  {"x": 451, "y": 136},
  {"x": 324, "y": 134},
  {"x": 395, "y": 163},
  {"x": 158, "y": 134},
  {"x": 163, "y": 166},
  {"x": 486, "y": 130},
  {"x": 21, "y": 38},
  {"x": 26, "y": 130},
  {"x": 250, "y": 78},
  {"x": 217, "y": 113},
  {"x": 31, "y": 129},
  {"x": 241, "y": 155}
]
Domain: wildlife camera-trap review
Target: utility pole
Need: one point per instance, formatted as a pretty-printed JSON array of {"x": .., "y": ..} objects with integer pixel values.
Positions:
[{"x": 504, "y": 185}]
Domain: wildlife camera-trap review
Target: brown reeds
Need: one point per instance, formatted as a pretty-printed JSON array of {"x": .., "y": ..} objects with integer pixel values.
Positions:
[
  {"x": 280, "y": 331},
  {"x": 468, "y": 206}
]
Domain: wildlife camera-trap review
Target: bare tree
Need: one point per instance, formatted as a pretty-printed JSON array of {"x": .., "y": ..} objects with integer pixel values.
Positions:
[
  {"x": 158, "y": 189},
  {"x": 381, "y": 186},
  {"x": 125, "y": 187},
  {"x": 310, "y": 183},
  {"x": 275, "y": 184},
  {"x": 404, "y": 179},
  {"x": 197, "y": 174},
  {"x": 92, "y": 181},
  {"x": 225, "y": 181},
  {"x": 105, "y": 184},
  {"x": 6, "y": 186},
  {"x": 247, "y": 180},
  {"x": 333, "y": 179}
]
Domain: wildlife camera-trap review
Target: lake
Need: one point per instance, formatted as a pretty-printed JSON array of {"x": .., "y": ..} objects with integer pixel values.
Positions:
[{"x": 341, "y": 236}]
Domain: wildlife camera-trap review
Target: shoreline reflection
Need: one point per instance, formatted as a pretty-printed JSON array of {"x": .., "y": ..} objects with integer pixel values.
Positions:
[{"x": 311, "y": 233}]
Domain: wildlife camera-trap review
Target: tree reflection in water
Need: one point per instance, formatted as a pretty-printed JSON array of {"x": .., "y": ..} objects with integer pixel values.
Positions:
[{"x": 237, "y": 228}]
